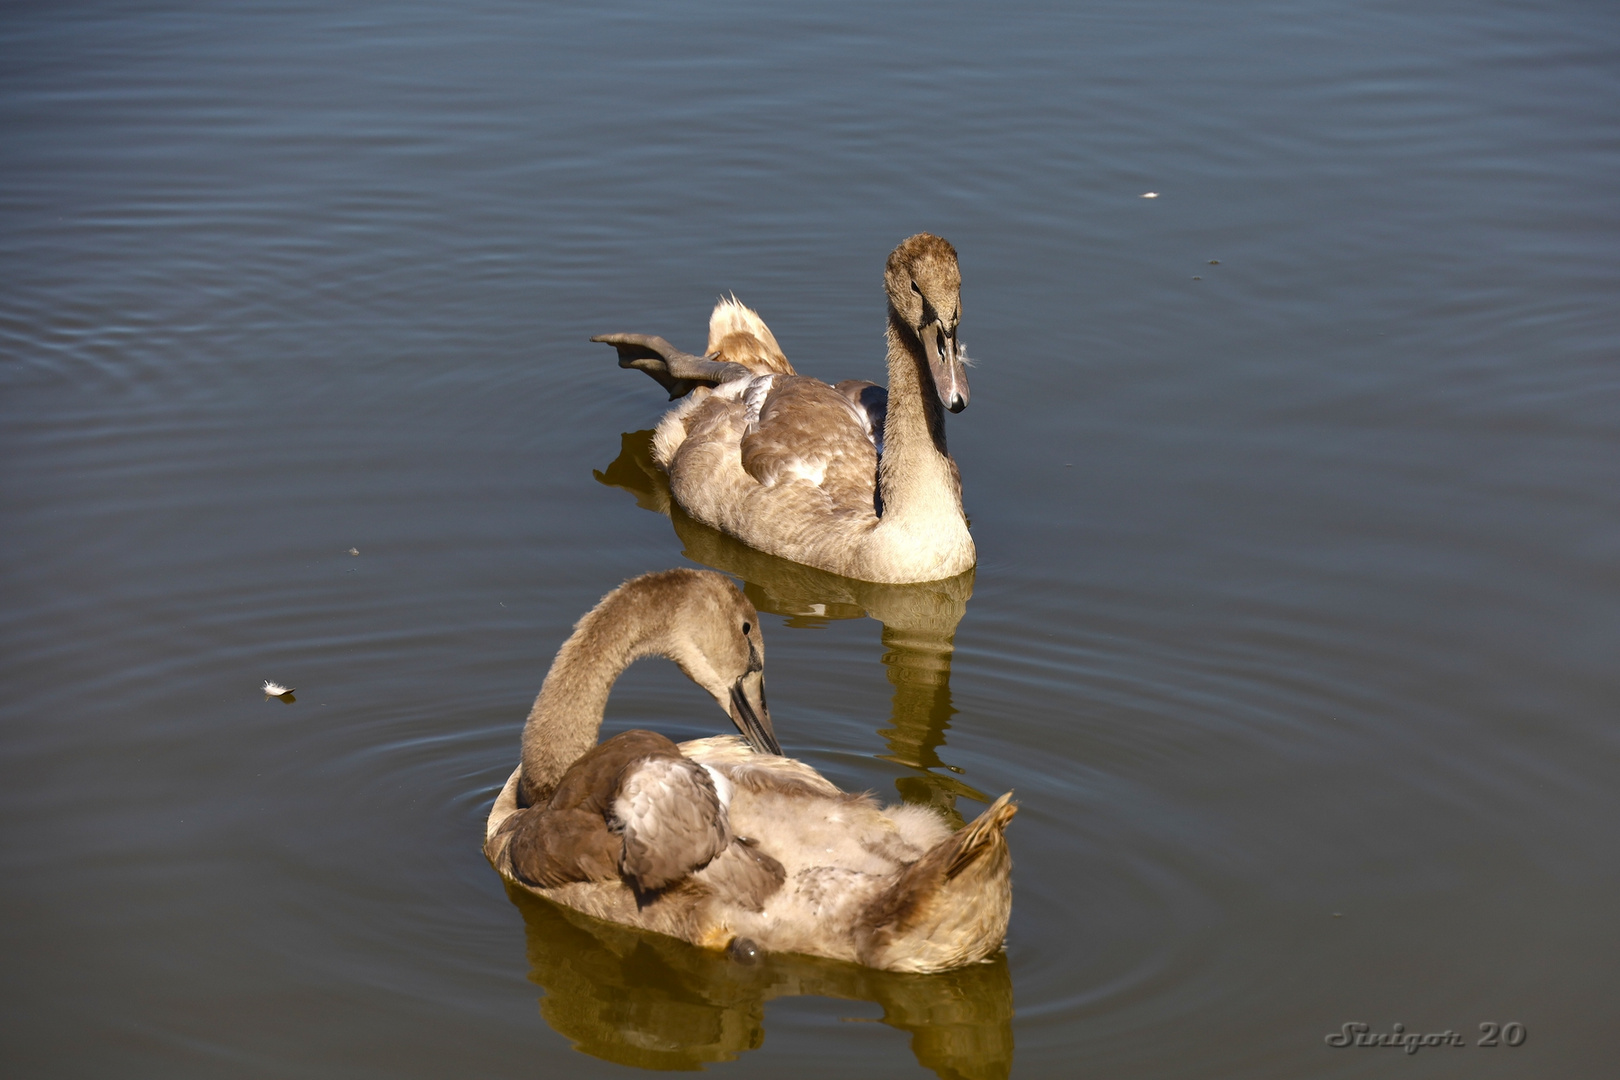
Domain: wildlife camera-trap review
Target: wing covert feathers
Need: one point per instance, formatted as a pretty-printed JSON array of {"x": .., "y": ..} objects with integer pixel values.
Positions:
[
  {"x": 631, "y": 806},
  {"x": 671, "y": 818},
  {"x": 550, "y": 849},
  {"x": 744, "y": 874},
  {"x": 806, "y": 430}
]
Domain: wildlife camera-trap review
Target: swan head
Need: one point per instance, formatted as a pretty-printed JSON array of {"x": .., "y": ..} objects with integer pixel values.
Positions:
[
  {"x": 924, "y": 284},
  {"x": 714, "y": 638}
]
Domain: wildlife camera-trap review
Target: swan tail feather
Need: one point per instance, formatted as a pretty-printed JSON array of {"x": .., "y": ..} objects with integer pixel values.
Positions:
[
  {"x": 951, "y": 906},
  {"x": 738, "y": 335}
]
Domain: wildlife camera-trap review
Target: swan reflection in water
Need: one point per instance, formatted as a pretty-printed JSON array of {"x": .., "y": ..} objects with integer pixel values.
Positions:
[
  {"x": 654, "y": 1002},
  {"x": 919, "y": 624}
]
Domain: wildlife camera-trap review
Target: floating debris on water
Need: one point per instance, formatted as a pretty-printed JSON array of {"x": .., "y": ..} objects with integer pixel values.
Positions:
[
  {"x": 354, "y": 551},
  {"x": 1150, "y": 194},
  {"x": 275, "y": 689}
]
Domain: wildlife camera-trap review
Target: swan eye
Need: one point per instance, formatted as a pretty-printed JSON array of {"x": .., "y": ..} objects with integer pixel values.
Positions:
[{"x": 747, "y": 627}]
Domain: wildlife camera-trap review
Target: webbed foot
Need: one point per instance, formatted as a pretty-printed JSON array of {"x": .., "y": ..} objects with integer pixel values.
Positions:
[{"x": 678, "y": 372}]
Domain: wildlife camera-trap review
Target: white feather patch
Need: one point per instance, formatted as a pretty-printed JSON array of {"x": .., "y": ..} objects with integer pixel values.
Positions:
[
  {"x": 722, "y": 786},
  {"x": 754, "y": 398},
  {"x": 800, "y": 469}
]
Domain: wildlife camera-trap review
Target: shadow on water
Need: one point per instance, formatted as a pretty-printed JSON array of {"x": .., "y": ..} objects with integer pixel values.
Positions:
[
  {"x": 919, "y": 624},
  {"x": 657, "y": 1003}
]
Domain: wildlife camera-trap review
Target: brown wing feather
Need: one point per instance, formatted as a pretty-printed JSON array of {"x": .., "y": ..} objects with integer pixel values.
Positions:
[
  {"x": 551, "y": 848},
  {"x": 631, "y": 806},
  {"x": 592, "y": 782},
  {"x": 808, "y": 431},
  {"x": 744, "y": 875},
  {"x": 671, "y": 819}
]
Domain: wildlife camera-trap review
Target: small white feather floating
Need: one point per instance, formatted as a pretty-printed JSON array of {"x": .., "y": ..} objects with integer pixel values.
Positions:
[
  {"x": 275, "y": 689},
  {"x": 1150, "y": 194}
]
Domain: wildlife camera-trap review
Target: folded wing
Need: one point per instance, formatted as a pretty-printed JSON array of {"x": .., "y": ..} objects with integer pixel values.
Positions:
[
  {"x": 671, "y": 818},
  {"x": 633, "y": 809}
]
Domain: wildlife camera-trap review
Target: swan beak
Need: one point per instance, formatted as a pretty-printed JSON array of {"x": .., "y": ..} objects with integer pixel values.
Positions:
[
  {"x": 950, "y": 377},
  {"x": 749, "y": 713}
]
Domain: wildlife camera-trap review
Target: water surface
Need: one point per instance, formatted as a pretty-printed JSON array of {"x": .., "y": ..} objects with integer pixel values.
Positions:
[{"x": 1295, "y": 489}]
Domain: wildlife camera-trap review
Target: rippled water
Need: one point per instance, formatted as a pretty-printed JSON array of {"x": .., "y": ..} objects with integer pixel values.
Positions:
[{"x": 1295, "y": 488}]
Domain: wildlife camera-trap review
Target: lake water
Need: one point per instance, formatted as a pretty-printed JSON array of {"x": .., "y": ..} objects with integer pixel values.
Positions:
[{"x": 1296, "y": 492}]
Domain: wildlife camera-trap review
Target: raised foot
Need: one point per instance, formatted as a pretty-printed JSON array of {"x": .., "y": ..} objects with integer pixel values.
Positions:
[{"x": 678, "y": 372}]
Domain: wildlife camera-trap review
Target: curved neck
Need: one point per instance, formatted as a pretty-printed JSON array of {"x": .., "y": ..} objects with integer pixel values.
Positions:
[
  {"x": 915, "y": 473},
  {"x": 567, "y": 714}
]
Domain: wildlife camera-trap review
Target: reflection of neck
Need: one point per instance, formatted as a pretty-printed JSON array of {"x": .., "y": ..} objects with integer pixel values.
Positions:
[
  {"x": 915, "y": 472},
  {"x": 567, "y": 715},
  {"x": 918, "y": 663}
]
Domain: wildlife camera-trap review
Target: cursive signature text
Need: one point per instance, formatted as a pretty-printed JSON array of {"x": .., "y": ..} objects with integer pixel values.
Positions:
[{"x": 1355, "y": 1033}]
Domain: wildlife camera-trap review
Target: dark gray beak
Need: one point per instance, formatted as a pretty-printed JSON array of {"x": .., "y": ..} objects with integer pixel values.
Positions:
[
  {"x": 950, "y": 377},
  {"x": 749, "y": 713}
]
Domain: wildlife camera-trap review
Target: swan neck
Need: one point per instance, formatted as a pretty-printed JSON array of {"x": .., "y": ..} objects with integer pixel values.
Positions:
[
  {"x": 915, "y": 471},
  {"x": 567, "y": 715}
]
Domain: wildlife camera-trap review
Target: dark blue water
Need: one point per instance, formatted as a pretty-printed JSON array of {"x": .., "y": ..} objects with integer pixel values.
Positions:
[{"x": 1296, "y": 491}]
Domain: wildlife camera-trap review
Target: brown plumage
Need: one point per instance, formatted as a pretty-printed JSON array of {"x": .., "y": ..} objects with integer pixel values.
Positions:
[
  {"x": 716, "y": 841},
  {"x": 848, "y": 478},
  {"x": 921, "y": 911},
  {"x": 666, "y": 819}
]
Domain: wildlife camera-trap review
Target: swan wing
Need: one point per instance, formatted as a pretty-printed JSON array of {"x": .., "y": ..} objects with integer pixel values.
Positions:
[
  {"x": 672, "y": 818},
  {"x": 805, "y": 431},
  {"x": 632, "y": 808},
  {"x": 678, "y": 372},
  {"x": 549, "y": 848},
  {"x": 744, "y": 875}
]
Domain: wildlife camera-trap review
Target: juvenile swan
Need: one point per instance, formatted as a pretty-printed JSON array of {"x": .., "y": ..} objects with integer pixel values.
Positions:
[
  {"x": 845, "y": 478},
  {"x": 721, "y": 841}
]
